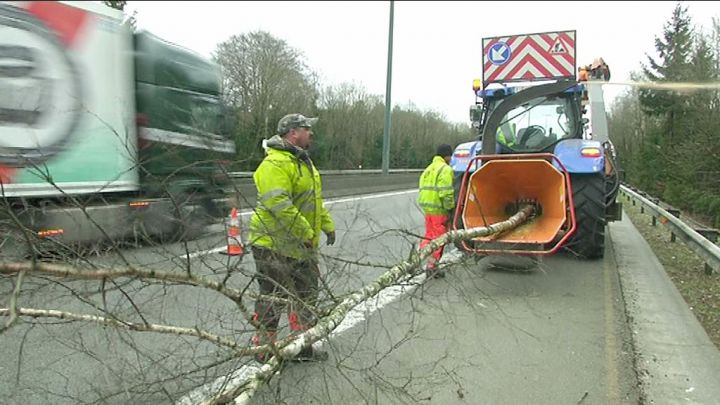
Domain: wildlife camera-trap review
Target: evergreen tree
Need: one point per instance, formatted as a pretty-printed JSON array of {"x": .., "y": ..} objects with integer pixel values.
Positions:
[{"x": 674, "y": 65}]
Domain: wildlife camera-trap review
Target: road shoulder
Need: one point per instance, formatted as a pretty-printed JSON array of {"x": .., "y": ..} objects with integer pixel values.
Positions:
[{"x": 675, "y": 359}]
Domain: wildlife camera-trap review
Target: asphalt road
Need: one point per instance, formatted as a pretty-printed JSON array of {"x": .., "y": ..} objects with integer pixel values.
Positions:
[
  {"x": 551, "y": 334},
  {"x": 60, "y": 362},
  {"x": 554, "y": 332}
]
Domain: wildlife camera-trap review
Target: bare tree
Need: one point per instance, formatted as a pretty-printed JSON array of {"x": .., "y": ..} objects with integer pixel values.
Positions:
[
  {"x": 264, "y": 78},
  {"x": 148, "y": 332}
]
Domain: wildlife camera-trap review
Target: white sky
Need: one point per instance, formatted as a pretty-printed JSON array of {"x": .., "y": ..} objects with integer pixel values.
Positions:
[{"x": 437, "y": 46}]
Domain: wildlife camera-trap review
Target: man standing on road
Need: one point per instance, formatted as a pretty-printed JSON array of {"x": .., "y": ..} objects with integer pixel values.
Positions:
[
  {"x": 437, "y": 201},
  {"x": 285, "y": 232}
]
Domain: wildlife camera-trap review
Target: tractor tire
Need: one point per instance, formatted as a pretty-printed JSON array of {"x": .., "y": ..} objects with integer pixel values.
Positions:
[
  {"x": 612, "y": 187},
  {"x": 589, "y": 199}
]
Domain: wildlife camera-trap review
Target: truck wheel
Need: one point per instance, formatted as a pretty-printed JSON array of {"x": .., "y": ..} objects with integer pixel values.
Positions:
[
  {"x": 193, "y": 217},
  {"x": 589, "y": 199}
]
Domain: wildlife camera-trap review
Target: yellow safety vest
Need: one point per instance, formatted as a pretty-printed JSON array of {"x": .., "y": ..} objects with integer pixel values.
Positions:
[
  {"x": 289, "y": 210},
  {"x": 436, "y": 188},
  {"x": 507, "y": 139}
]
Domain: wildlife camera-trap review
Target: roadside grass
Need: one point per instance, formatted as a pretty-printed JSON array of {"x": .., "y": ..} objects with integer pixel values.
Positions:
[{"x": 700, "y": 290}]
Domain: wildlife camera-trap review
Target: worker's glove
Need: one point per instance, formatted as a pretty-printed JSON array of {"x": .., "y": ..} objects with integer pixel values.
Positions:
[{"x": 330, "y": 238}]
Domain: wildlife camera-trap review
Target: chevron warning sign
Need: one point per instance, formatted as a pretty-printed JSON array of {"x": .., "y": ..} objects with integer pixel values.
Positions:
[{"x": 529, "y": 57}]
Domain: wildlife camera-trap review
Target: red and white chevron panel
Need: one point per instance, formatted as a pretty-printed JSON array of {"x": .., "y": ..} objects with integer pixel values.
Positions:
[{"x": 529, "y": 57}]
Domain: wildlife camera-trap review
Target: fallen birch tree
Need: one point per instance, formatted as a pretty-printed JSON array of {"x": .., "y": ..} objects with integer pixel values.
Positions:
[
  {"x": 242, "y": 393},
  {"x": 283, "y": 349}
]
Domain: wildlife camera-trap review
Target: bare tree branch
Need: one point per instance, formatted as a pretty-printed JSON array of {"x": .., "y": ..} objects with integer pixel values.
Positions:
[
  {"x": 243, "y": 393},
  {"x": 13, "y": 302}
]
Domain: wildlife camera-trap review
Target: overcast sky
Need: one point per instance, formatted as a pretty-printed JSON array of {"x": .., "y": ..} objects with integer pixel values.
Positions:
[{"x": 437, "y": 46}]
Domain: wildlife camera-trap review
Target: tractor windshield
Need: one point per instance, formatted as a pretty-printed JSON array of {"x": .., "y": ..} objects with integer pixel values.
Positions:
[{"x": 540, "y": 123}]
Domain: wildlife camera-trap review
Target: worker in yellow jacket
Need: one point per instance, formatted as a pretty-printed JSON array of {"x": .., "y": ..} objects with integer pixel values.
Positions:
[
  {"x": 285, "y": 232},
  {"x": 437, "y": 201}
]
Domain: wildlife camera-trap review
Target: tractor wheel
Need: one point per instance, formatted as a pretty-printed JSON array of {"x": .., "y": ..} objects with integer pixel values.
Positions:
[
  {"x": 589, "y": 199},
  {"x": 612, "y": 187}
]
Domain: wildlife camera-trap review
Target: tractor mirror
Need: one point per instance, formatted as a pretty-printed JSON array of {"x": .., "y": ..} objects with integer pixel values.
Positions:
[{"x": 474, "y": 114}]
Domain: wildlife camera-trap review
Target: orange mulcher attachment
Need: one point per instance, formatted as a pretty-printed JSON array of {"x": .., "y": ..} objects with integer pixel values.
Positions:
[{"x": 500, "y": 186}]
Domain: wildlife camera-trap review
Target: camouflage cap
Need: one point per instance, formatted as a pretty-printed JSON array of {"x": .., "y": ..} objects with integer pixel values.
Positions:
[{"x": 290, "y": 121}]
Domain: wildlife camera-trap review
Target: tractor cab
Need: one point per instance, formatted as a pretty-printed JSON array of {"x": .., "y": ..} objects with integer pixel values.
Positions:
[
  {"x": 539, "y": 124},
  {"x": 535, "y": 125}
]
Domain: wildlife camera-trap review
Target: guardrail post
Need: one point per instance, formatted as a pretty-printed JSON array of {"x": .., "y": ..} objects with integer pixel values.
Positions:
[
  {"x": 642, "y": 208},
  {"x": 654, "y": 220},
  {"x": 672, "y": 237},
  {"x": 674, "y": 212},
  {"x": 709, "y": 234},
  {"x": 708, "y": 270}
]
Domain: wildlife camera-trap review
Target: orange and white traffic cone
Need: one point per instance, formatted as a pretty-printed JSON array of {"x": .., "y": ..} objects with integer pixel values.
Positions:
[{"x": 234, "y": 240}]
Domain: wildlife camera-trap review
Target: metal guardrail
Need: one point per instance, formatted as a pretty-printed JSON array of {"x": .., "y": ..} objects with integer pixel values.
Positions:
[
  {"x": 241, "y": 175},
  {"x": 701, "y": 245}
]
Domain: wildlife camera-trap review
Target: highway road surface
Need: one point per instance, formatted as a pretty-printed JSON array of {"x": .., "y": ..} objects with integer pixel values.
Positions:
[{"x": 556, "y": 331}]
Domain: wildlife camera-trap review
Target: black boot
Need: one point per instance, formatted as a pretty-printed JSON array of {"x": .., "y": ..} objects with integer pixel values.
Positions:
[
  {"x": 434, "y": 272},
  {"x": 310, "y": 354},
  {"x": 262, "y": 358},
  {"x": 256, "y": 340}
]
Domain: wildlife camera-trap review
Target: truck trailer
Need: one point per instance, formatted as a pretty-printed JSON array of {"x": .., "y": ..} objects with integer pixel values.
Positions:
[{"x": 106, "y": 134}]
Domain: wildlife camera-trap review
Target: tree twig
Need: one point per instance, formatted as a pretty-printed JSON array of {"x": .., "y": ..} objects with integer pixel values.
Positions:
[{"x": 242, "y": 392}]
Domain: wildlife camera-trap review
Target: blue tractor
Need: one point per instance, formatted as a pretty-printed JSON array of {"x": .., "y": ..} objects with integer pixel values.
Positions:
[{"x": 537, "y": 145}]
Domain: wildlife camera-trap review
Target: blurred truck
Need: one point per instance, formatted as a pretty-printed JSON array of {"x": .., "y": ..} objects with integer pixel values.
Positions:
[{"x": 105, "y": 134}]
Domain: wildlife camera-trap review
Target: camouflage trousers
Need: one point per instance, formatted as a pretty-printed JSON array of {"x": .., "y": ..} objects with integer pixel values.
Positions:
[{"x": 284, "y": 277}]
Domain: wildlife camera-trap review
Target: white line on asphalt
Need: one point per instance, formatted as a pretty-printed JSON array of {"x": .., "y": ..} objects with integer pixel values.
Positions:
[
  {"x": 204, "y": 252},
  {"x": 371, "y": 196},
  {"x": 329, "y": 202},
  {"x": 357, "y": 314},
  {"x": 342, "y": 200}
]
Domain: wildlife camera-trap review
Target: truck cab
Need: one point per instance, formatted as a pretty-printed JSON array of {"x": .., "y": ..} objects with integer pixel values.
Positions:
[{"x": 107, "y": 134}]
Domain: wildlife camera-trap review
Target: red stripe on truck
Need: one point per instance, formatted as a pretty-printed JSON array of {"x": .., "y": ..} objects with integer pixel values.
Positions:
[
  {"x": 66, "y": 21},
  {"x": 6, "y": 174}
]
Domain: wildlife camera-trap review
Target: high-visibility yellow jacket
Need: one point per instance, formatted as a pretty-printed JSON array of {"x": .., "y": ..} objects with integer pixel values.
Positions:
[
  {"x": 506, "y": 135},
  {"x": 436, "y": 188},
  {"x": 290, "y": 210}
]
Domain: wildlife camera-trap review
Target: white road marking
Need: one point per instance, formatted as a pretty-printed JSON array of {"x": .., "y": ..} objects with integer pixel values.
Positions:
[
  {"x": 247, "y": 212},
  {"x": 204, "y": 252},
  {"x": 371, "y": 196},
  {"x": 357, "y": 314}
]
